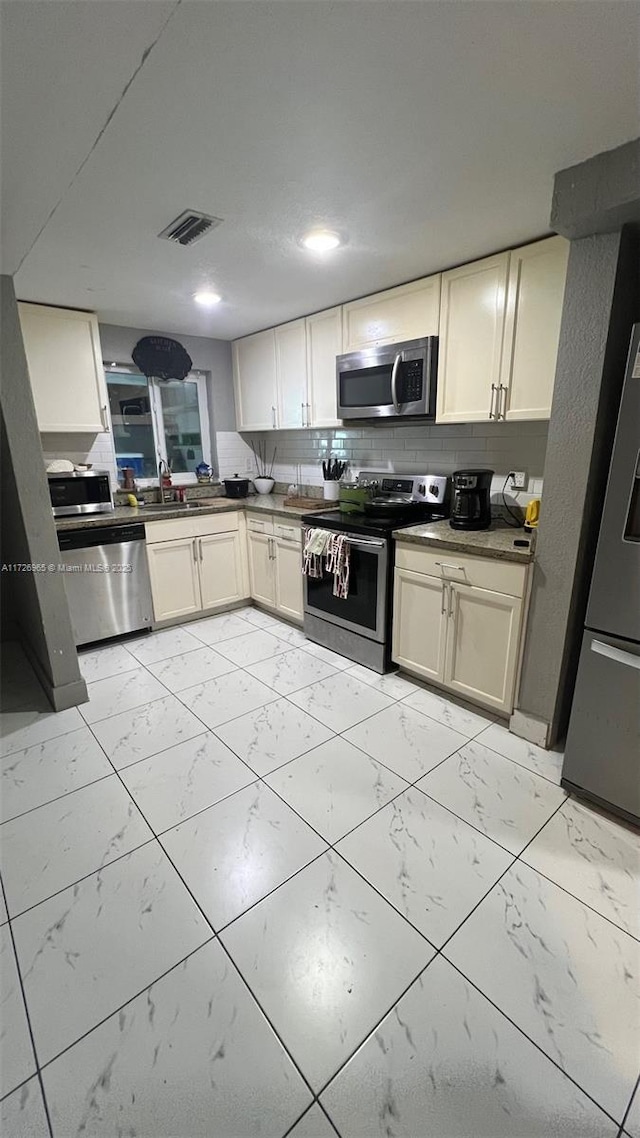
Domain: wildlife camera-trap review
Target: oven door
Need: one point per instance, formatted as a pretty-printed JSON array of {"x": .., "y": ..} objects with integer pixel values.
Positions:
[
  {"x": 398, "y": 379},
  {"x": 364, "y": 610}
]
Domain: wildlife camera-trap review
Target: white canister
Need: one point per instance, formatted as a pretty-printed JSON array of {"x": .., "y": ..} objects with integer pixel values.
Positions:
[{"x": 331, "y": 491}]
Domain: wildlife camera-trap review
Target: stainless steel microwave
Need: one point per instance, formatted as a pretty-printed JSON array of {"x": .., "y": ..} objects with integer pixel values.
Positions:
[
  {"x": 390, "y": 380},
  {"x": 80, "y": 492}
]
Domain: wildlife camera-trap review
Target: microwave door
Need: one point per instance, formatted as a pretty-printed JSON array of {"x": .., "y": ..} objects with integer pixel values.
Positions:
[{"x": 365, "y": 390}]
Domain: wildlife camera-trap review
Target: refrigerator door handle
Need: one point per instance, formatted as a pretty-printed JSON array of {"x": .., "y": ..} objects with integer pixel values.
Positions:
[{"x": 616, "y": 654}]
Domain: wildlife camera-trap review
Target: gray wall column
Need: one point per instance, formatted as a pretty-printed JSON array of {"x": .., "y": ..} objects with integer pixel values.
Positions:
[{"x": 34, "y": 605}]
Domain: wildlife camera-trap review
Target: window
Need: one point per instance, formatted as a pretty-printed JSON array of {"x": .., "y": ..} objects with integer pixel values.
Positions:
[{"x": 156, "y": 419}]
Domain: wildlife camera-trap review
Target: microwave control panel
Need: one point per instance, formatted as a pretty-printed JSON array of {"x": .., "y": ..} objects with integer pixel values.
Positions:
[{"x": 411, "y": 381}]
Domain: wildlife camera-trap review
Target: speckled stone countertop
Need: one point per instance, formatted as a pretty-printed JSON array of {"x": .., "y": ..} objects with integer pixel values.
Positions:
[
  {"x": 123, "y": 515},
  {"x": 496, "y": 542}
]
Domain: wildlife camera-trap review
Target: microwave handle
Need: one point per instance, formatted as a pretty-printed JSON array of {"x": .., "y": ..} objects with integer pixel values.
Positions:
[{"x": 394, "y": 382}]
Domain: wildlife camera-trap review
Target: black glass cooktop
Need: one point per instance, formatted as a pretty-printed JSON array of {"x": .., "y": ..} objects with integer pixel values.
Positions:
[{"x": 369, "y": 526}]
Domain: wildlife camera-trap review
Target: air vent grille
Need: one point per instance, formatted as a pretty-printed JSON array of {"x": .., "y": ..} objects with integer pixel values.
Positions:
[{"x": 189, "y": 227}]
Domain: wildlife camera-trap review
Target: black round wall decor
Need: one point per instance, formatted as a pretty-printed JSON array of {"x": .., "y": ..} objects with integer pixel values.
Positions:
[{"x": 162, "y": 358}]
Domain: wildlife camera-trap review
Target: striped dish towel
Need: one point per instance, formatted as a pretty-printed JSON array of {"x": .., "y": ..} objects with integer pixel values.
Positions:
[{"x": 338, "y": 561}]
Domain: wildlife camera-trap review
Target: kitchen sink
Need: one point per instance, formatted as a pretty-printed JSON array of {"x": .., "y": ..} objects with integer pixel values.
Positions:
[{"x": 202, "y": 505}]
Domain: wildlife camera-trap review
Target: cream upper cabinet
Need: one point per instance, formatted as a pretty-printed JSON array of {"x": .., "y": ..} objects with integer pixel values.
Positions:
[
  {"x": 291, "y": 375},
  {"x": 419, "y": 623},
  {"x": 254, "y": 381},
  {"x": 404, "y": 313},
  {"x": 175, "y": 581},
  {"x": 324, "y": 343},
  {"x": 63, "y": 353},
  {"x": 482, "y": 645},
  {"x": 535, "y": 294},
  {"x": 472, "y": 321}
]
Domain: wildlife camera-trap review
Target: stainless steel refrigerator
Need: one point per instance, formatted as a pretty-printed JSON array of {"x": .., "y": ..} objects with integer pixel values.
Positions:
[{"x": 602, "y": 756}]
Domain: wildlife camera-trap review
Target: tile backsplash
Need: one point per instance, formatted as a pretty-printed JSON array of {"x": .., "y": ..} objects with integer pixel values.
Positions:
[
  {"x": 80, "y": 449},
  {"x": 417, "y": 448}
]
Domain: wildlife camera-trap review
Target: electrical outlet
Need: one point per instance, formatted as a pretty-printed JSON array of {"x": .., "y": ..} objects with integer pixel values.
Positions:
[{"x": 518, "y": 479}]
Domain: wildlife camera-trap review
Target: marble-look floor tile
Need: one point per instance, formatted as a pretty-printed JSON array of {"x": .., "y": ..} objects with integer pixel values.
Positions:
[
  {"x": 632, "y": 1123},
  {"x": 100, "y": 663},
  {"x": 338, "y": 663},
  {"x": 215, "y": 629},
  {"x": 44, "y": 772},
  {"x": 403, "y": 739},
  {"x": 17, "y": 1060},
  {"x": 88, "y": 950},
  {"x": 256, "y": 645},
  {"x": 314, "y": 1124},
  {"x": 291, "y": 634},
  {"x": 120, "y": 693},
  {"x": 22, "y": 1113},
  {"x": 564, "y": 974},
  {"x": 146, "y": 730},
  {"x": 193, "y": 1055},
  {"x": 340, "y": 701},
  {"x": 236, "y": 852},
  {"x": 174, "y": 784},
  {"x": 593, "y": 857},
  {"x": 291, "y": 671},
  {"x": 189, "y": 668},
  {"x": 433, "y": 867},
  {"x": 445, "y": 1064},
  {"x": 459, "y": 716},
  {"x": 272, "y": 735},
  {"x": 49, "y": 848},
  {"x": 258, "y": 618},
  {"x": 504, "y": 801},
  {"x": 226, "y": 698},
  {"x": 162, "y": 645},
  {"x": 392, "y": 683},
  {"x": 546, "y": 763},
  {"x": 335, "y": 787},
  {"x": 21, "y": 729},
  {"x": 4, "y": 916},
  {"x": 326, "y": 957}
]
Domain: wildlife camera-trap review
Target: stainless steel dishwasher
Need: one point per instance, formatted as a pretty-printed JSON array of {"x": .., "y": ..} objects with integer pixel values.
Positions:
[{"x": 107, "y": 580}]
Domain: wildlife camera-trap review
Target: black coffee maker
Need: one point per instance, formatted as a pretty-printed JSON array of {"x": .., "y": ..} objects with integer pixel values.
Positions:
[{"x": 471, "y": 502}]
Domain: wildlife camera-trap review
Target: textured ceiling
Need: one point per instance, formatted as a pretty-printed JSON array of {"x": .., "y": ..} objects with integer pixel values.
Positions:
[{"x": 428, "y": 132}]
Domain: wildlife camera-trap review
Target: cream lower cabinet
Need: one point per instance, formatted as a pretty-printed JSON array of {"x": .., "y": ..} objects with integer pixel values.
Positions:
[
  {"x": 457, "y": 622},
  {"x": 196, "y": 564},
  {"x": 275, "y": 565}
]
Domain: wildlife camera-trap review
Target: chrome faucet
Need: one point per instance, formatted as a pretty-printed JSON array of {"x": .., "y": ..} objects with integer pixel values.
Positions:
[{"x": 164, "y": 470}]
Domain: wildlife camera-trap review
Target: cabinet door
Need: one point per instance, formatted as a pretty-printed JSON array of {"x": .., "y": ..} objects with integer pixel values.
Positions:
[
  {"x": 175, "y": 582},
  {"x": 221, "y": 570},
  {"x": 404, "y": 313},
  {"x": 472, "y": 320},
  {"x": 291, "y": 370},
  {"x": 65, "y": 367},
  {"x": 419, "y": 623},
  {"x": 324, "y": 343},
  {"x": 537, "y": 275},
  {"x": 482, "y": 645},
  {"x": 288, "y": 565},
  {"x": 254, "y": 381},
  {"x": 261, "y": 573}
]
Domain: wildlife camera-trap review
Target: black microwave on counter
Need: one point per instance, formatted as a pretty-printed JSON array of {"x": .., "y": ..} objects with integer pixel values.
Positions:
[{"x": 80, "y": 492}]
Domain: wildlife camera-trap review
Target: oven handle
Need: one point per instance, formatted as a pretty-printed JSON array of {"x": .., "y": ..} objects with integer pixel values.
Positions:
[
  {"x": 394, "y": 382},
  {"x": 367, "y": 541}
]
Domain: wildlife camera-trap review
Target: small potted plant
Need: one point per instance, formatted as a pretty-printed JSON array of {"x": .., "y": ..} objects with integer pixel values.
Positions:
[{"x": 264, "y": 482}]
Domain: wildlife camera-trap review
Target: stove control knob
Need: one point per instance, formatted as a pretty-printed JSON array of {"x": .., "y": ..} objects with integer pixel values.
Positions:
[
  {"x": 421, "y": 490},
  {"x": 434, "y": 489}
]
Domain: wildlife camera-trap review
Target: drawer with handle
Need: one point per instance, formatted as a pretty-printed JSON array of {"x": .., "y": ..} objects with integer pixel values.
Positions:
[
  {"x": 260, "y": 525},
  {"x": 287, "y": 532},
  {"x": 484, "y": 572}
]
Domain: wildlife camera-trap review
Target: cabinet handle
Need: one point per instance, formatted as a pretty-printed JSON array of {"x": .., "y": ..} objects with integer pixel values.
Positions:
[
  {"x": 446, "y": 565},
  {"x": 494, "y": 390},
  {"x": 104, "y": 417},
  {"x": 308, "y": 406},
  {"x": 444, "y": 594},
  {"x": 450, "y": 613},
  {"x": 502, "y": 413},
  {"x": 194, "y": 549},
  {"x": 200, "y": 547},
  {"x": 273, "y": 417},
  {"x": 303, "y": 405}
]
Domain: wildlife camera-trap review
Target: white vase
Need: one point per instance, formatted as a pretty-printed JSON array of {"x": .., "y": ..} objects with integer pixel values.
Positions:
[
  {"x": 264, "y": 485},
  {"x": 332, "y": 491}
]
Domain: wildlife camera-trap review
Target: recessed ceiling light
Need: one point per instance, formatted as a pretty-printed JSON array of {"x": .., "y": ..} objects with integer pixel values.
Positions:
[
  {"x": 207, "y": 299},
  {"x": 321, "y": 240}
]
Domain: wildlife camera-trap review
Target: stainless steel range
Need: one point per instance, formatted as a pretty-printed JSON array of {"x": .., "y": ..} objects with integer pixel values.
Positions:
[{"x": 359, "y": 625}]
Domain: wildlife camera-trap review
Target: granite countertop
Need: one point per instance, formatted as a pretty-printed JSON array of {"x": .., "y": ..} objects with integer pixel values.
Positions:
[
  {"x": 123, "y": 515},
  {"x": 496, "y": 542}
]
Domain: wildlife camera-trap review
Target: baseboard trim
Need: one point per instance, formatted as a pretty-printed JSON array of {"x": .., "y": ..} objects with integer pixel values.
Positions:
[{"x": 531, "y": 728}]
